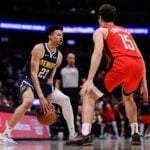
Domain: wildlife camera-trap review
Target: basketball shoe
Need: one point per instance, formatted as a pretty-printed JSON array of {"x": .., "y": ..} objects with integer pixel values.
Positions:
[
  {"x": 6, "y": 139},
  {"x": 81, "y": 140},
  {"x": 136, "y": 140}
]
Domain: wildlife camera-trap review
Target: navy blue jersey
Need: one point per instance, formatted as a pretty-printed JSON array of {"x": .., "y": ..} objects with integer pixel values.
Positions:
[{"x": 47, "y": 63}]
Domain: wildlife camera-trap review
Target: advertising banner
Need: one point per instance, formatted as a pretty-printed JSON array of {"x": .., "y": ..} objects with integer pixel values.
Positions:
[{"x": 27, "y": 127}]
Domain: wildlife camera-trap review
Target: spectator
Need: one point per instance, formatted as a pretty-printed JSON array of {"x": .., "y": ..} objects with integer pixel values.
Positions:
[
  {"x": 119, "y": 118},
  {"x": 144, "y": 116},
  {"x": 109, "y": 117},
  {"x": 78, "y": 120},
  {"x": 98, "y": 124},
  {"x": 4, "y": 101},
  {"x": 126, "y": 126}
]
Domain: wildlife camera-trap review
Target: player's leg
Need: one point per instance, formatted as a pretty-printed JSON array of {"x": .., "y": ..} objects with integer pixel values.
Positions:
[
  {"x": 88, "y": 109},
  {"x": 26, "y": 104},
  {"x": 131, "y": 83},
  {"x": 88, "y": 112},
  {"x": 131, "y": 111},
  {"x": 89, "y": 105},
  {"x": 27, "y": 101},
  {"x": 73, "y": 94},
  {"x": 62, "y": 100}
]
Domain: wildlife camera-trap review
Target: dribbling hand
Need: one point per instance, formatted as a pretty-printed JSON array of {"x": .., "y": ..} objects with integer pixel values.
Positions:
[{"x": 44, "y": 104}]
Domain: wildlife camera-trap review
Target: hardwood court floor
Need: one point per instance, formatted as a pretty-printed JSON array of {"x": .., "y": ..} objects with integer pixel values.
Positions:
[{"x": 120, "y": 144}]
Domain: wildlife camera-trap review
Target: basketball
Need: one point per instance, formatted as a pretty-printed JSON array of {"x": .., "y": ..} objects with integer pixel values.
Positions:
[{"x": 48, "y": 118}]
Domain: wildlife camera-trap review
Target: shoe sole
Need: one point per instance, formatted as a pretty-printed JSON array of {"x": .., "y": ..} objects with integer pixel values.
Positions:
[
  {"x": 136, "y": 143},
  {"x": 7, "y": 143},
  {"x": 86, "y": 144},
  {"x": 80, "y": 144},
  {"x": 1, "y": 143}
]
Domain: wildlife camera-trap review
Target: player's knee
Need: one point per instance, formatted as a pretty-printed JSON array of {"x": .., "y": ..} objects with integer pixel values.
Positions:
[
  {"x": 127, "y": 98},
  {"x": 27, "y": 102},
  {"x": 67, "y": 100},
  {"x": 88, "y": 99},
  {"x": 27, "y": 105},
  {"x": 27, "y": 99}
]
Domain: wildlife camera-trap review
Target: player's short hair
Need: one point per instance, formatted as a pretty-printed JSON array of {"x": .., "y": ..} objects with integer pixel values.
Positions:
[
  {"x": 52, "y": 28},
  {"x": 107, "y": 12}
]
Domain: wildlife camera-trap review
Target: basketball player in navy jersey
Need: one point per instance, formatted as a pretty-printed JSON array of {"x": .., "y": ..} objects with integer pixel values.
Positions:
[{"x": 37, "y": 81}]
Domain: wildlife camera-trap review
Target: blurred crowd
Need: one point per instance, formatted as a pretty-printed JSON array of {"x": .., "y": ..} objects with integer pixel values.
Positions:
[
  {"x": 10, "y": 72},
  {"x": 110, "y": 120}
]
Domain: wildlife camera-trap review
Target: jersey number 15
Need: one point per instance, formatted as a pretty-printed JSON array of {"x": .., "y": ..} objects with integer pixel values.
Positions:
[{"x": 127, "y": 42}]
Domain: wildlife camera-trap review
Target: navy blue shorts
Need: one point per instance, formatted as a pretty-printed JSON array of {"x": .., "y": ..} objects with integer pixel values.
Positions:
[{"x": 26, "y": 82}]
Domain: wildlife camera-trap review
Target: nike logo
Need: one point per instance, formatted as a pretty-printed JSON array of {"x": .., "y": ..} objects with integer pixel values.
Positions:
[{"x": 47, "y": 55}]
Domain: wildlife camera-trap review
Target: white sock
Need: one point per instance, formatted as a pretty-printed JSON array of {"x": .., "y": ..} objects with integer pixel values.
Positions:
[
  {"x": 142, "y": 128},
  {"x": 86, "y": 128},
  {"x": 8, "y": 130},
  {"x": 115, "y": 128},
  {"x": 134, "y": 128},
  {"x": 102, "y": 131}
]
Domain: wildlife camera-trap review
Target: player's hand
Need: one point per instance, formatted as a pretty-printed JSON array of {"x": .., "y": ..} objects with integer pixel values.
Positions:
[
  {"x": 44, "y": 104},
  {"x": 86, "y": 88},
  {"x": 50, "y": 81},
  {"x": 144, "y": 92}
]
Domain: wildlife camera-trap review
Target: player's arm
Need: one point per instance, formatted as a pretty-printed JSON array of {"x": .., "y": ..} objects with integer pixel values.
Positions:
[
  {"x": 50, "y": 80},
  {"x": 97, "y": 53},
  {"x": 58, "y": 83},
  {"x": 143, "y": 87},
  {"x": 98, "y": 39},
  {"x": 35, "y": 60}
]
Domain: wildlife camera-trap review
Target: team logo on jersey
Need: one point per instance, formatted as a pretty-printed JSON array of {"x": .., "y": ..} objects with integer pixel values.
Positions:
[{"x": 47, "y": 64}]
